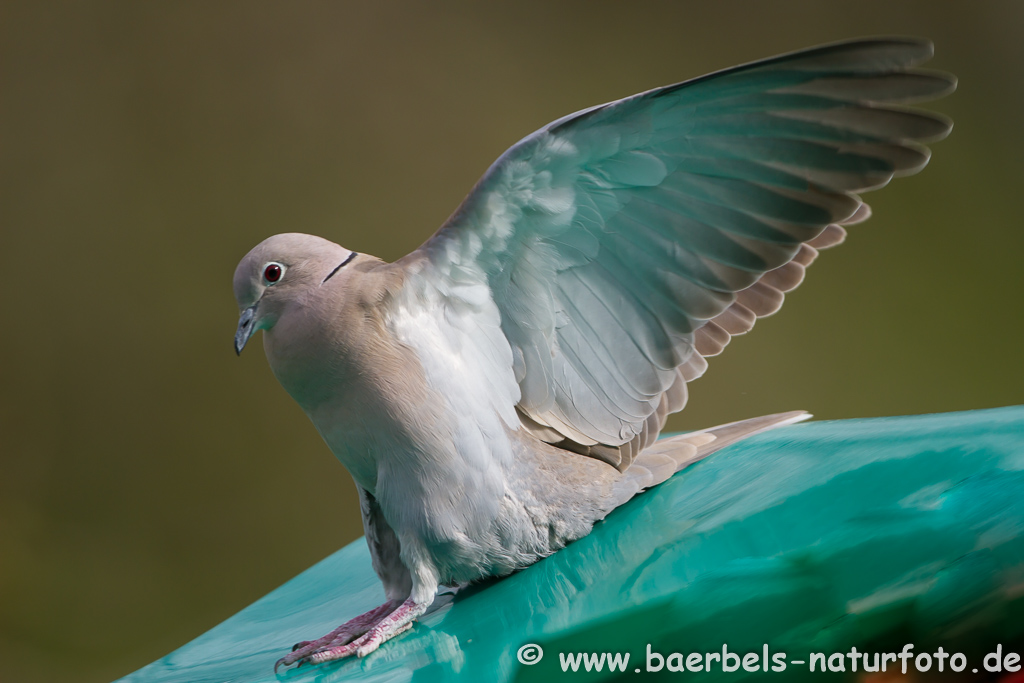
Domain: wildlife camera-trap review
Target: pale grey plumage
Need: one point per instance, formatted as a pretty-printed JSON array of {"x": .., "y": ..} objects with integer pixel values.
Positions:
[{"x": 499, "y": 390}]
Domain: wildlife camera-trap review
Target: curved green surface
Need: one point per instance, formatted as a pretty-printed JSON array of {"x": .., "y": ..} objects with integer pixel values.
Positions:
[{"x": 810, "y": 538}]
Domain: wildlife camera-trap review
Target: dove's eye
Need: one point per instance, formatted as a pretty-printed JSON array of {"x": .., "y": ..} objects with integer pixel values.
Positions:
[{"x": 272, "y": 273}]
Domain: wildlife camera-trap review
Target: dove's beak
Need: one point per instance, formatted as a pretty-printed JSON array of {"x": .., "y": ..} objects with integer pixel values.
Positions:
[{"x": 245, "y": 328}]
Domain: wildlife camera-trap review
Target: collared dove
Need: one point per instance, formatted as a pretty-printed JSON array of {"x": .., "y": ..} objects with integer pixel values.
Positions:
[{"x": 499, "y": 390}]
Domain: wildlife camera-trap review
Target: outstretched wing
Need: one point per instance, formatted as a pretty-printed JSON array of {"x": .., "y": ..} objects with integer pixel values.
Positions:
[{"x": 607, "y": 240}]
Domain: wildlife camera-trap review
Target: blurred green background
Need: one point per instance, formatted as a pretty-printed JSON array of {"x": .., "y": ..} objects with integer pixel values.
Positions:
[{"x": 153, "y": 484}]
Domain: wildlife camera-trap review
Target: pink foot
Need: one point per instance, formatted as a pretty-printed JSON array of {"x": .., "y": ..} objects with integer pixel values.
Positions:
[
  {"x": 361, "y": 646},
  {"x": 340, "y": 636},
  {"x": 398, "y": 621}
]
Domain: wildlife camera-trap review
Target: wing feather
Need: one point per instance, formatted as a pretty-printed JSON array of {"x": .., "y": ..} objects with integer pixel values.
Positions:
[{"x": 620, "y": 245}]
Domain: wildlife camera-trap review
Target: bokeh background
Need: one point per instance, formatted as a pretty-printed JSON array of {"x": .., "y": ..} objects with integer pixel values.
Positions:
[{"x": 152, "y": 483}]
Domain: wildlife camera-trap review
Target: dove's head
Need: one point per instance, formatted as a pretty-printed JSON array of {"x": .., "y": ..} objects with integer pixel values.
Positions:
[{"x": 277, "y": 273}]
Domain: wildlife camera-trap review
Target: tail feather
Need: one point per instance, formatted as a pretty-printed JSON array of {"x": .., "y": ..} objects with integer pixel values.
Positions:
[
  {"x": 722, "y": 436},
  {"x": 667, "y": 456}
]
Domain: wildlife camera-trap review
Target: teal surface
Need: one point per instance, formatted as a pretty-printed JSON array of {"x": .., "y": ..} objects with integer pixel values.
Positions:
[{"x": 810, "y": 538}]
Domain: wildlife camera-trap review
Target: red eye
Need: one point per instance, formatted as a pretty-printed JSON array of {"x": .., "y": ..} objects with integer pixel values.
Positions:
[{"x": 272, "y": 273}]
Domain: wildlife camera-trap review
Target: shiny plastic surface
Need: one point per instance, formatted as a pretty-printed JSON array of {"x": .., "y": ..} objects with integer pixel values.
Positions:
[{"x": 813, "y": 537}]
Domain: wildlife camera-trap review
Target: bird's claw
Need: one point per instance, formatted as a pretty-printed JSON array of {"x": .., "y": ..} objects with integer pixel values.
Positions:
[
  {"x": 288, "y": 660},
  {"x": 361, "y": 647},
  {"x": 359, "y": 636}
]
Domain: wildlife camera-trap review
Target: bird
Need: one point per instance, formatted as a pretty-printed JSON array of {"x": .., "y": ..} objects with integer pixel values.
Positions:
[{"x": 501, "y": 389}]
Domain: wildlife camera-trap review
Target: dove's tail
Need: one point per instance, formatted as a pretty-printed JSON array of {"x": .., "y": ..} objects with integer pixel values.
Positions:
[{"x": 664, "y": 458}]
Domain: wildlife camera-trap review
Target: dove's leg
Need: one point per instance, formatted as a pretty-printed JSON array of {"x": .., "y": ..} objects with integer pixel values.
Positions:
[
  {"x": 340, "y": 636},
  {"x": 424, "y": 589}
]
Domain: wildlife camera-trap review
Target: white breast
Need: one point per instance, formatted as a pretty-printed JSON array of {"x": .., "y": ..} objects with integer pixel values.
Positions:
[{"x": 456, "y": 334}]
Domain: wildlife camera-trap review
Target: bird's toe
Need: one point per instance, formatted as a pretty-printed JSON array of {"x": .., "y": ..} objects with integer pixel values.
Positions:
[
  {"x": 374, "y": 641},
  {"x": 334, "y": 653}
]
